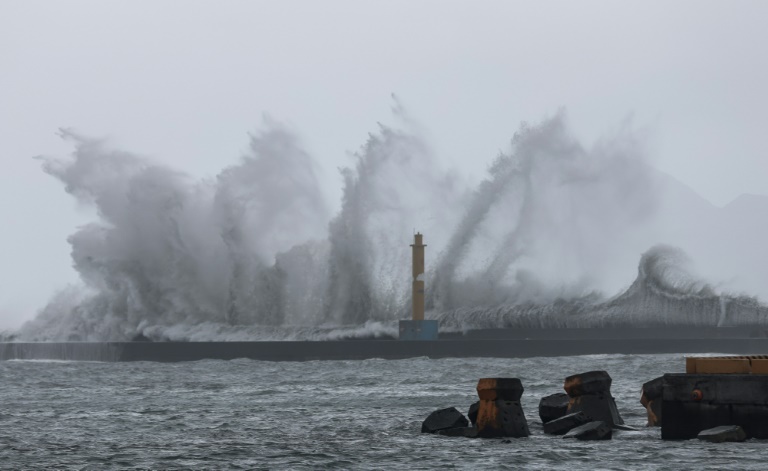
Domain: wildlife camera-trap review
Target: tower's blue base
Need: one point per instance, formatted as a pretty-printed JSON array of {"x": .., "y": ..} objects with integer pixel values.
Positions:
[{"x": 418, "y": 330}]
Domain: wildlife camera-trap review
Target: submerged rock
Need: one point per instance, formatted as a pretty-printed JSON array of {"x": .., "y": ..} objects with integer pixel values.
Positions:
[
  {"x": 597, "y": 430},
  {"x": 468, "y": 432},
  {"x": 565, "y": 423},
  {"x": 443, "y": 419},
  {"x": 626, "y": 428},
  {"x": 553, "y": 407},
  {"x": 724, "y": 433}
]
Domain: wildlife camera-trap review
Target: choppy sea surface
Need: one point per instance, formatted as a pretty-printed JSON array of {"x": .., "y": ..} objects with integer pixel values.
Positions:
[{"x": 246, "y": 414}]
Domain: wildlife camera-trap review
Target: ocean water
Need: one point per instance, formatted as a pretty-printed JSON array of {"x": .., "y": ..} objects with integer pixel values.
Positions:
[{"x": 247, "y": 414}]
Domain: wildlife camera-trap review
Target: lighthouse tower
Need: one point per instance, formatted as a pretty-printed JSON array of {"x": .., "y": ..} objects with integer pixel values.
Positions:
[
  {"x": 418, "y": 328},
  {"x": 418, "y": 277}
]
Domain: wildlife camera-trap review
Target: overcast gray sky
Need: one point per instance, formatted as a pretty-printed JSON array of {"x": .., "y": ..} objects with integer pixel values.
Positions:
[{"x": 183, "y": 82}]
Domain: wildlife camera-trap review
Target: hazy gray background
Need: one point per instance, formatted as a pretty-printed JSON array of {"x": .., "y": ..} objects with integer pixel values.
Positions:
[{"x": 184, "y": 82}]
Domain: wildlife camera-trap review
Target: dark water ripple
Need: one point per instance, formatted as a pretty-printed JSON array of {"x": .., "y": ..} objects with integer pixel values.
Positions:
[{"x": 317, "y": 415}]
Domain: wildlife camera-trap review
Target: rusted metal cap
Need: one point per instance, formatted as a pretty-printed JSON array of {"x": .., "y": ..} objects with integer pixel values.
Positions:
[
  {"x": 697, "y": 395},
  {"x": 506, "y": 389},
  {"x": 591, "y": 382}
]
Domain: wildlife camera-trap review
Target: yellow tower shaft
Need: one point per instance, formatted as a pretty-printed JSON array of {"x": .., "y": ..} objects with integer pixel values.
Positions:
[{"x": 418, "y": 277}]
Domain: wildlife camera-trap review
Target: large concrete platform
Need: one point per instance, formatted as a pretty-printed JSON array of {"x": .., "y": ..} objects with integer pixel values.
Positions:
[
  {"x": 696, "y": 402},
  {"x": 365, "y": 349}
]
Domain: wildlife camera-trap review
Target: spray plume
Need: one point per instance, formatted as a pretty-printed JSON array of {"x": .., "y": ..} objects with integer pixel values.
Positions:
[{"x": 254, "y": 253}]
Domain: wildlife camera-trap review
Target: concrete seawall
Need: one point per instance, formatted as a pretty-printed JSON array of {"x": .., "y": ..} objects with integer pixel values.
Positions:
[{"x": 365, "y": 349}]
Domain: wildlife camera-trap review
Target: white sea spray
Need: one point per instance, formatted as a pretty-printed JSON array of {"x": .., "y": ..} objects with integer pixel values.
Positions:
[{"x": 545, "y": 240}]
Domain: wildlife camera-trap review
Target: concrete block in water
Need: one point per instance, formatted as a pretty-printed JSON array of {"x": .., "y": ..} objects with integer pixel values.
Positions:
[
  {"x": 591, "y": 382},
  {"x": 472, "y": 414},
  {"x": 651, "y": 398},
  {"x": 507, "y": 389},
  {"x": 565, "y": 423},
  {"x": 590, "y": 393},
  {"x": 724, "y": 433},
  {"x": 598, "y": 407},
  {"x": 500, "y": 413},
  {"x": 696, "y": 402},
  {"x": 597, "y": 430},
  {"x": 626, "y": 428},
  {"x": 553, "y": 407},
  {"x": 501, "y": 418},
  {"x": 654, "y": 388},
  {"x": 443, "y": 419},
  {"x": 467, "y": 432}
]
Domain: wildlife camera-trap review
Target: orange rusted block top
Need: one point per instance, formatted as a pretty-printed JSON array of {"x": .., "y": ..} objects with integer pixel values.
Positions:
[
  {"x": 507, "y": 389},
  {"x": 572, "y": 383},
  {"x": 486, "y": 389},
  {"x": 591, "y": 382},
  {"x": 749, "y": 364}
]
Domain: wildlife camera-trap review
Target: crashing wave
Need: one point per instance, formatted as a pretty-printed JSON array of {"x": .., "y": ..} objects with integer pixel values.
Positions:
[
  {"x": 254, "y": 253},
  {"x": 663, "y": 293}
]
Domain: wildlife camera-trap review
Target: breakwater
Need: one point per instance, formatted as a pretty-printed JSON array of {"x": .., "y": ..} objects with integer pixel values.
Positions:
[{"x": 367, "y": 349}]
